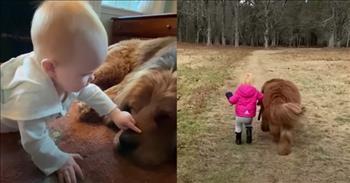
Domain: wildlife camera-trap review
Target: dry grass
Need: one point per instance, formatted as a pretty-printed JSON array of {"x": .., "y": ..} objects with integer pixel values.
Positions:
[
  {"x": 206, "y": 152},
  {"x": 316, "y": 54}
]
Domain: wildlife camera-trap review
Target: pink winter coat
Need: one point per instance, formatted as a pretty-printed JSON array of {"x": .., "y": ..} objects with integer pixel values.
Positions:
[{"x": 246, "y": 98}]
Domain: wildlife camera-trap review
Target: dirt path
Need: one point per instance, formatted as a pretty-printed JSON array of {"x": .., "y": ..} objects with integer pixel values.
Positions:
[
  {"x": 206, "y": 150},
  {"x": 255, "y": 66}
]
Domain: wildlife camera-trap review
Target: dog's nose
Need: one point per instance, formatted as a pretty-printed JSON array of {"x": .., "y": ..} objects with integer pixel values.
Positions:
[{"x": 128, "y": 141}]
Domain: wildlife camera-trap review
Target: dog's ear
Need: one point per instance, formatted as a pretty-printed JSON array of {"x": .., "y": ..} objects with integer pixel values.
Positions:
[{"x": 262, "y": 88}]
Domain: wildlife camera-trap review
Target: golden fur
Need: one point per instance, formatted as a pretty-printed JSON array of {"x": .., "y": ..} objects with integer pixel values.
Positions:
[
  {"x": 125, "y": 56},
  {"x": 148, "y": 93},
  {"x": 280, "y": 112}
]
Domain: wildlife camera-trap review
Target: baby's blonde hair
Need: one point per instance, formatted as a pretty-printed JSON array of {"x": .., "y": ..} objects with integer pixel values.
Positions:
[
  {"x": 247, "y": 78},
  {"x": 60, "y": 26}
]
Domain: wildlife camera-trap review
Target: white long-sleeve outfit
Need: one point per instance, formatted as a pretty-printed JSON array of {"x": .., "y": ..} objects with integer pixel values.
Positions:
[{"x": 29, "y": 100}]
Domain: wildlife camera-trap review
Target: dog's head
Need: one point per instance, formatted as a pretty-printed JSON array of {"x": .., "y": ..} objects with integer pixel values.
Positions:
[
  {"x": 266, "y": 101},
  {"x": 148, "y": 92},
  {"x": 149, "y": 95}
]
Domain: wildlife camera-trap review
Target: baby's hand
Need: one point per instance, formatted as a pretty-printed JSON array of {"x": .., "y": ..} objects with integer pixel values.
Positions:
[
  {"x": 124, "y": 120},
  {"x": 67, "y": 173}
]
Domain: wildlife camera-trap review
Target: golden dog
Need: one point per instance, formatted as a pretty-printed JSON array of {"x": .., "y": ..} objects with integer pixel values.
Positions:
[
  {"x": 148, "y": 92},
  {"x": 280, "y": 112}
]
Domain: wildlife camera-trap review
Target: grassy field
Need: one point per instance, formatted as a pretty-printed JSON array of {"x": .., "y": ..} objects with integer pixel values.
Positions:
[{"x": 206, "y": 150}]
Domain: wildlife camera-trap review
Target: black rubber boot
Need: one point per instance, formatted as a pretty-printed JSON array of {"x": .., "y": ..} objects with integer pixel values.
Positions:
[
  {"x": 249, "y": 135},
  {"x": 238, "y": 138}
]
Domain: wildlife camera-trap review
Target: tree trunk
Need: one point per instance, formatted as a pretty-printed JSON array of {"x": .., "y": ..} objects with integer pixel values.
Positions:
[
  {"x": 273, "y": 43},
  {"x": 338, "y": 44},
  {"x": 266, "y": 37},
  {"x": 186, "y": 33},
  {"x": 331, "y": 40},
  {"x": 198, "y": 23},
  {"x": 197, "y": 35},
  {"x": 236, "y": 24},
  {"x": 291, "y": 40},
  {"x": 216, "y": 24},
  {"x": 209, "y": 25},
  {"x": 233, "y": 23},
  {"x": 266, "y": 32},
  {"x": 223, "y": 40},
  {"x": 233, "y": 39},
  {"x": 179, "y": 32},
  {"x": 348, "y": 39},
  {"x": 332, "y": 36},
  {"x": 217, "y": 40}
]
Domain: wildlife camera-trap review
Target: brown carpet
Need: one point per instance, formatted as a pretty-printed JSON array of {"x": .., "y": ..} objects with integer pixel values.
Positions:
[{"x": 93, "y": 142}]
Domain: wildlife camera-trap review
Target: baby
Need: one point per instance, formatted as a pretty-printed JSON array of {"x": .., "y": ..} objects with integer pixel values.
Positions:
[{"x": 69, "y": 43}]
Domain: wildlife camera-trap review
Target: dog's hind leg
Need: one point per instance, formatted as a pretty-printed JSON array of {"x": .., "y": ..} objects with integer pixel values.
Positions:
[
  {"x": 285, "y": 143},
  {"x": 264, "y": 123},
  {"x": 275, "y": 132}
]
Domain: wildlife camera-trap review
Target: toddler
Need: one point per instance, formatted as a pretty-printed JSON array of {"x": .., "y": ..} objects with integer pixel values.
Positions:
[{"x": 245, "y": 98}]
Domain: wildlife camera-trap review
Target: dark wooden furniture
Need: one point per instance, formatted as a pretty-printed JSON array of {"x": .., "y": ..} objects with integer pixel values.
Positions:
[
  {"x": 144, "y": 26},
  {"x": 16, "y": 18}
]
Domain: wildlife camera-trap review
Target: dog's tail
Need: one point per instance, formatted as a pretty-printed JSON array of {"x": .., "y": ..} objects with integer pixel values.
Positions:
[{"x": 288, "y": 114}]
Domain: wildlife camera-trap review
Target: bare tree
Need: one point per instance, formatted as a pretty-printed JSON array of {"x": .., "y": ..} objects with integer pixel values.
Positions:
[
  {"x": 236, "y": 9},
  {"x": 198, "y": 20},
  {"x": 216, "y": 18},
  {"x": 265, "y": 22},
  {"x": 207, "y": 4},
  {"x": 223, "y": 39},
  {"x": 267, "y": 26}
]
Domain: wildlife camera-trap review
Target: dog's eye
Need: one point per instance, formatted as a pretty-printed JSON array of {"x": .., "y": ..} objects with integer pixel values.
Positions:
[
  {"x": 127, "y": 108},
  {"x": 161, "y": 118}
]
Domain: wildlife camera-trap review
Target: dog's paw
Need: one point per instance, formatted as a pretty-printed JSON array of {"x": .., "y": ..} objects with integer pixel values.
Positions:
[
  {"x": 284, "y": 149},
  {"x": 87, "y": 114},
  {"x": 265, "y": 126}
]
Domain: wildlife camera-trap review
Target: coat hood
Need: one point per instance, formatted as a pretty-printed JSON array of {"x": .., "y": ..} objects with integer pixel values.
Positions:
[{"x": 246, "y": 90}]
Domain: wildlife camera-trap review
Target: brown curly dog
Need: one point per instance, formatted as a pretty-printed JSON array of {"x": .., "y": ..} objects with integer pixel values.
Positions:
[{"x": 280, "y": 112}]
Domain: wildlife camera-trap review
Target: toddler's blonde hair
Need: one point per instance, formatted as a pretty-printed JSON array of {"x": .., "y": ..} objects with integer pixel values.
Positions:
[{"x": 247, "y": 78}]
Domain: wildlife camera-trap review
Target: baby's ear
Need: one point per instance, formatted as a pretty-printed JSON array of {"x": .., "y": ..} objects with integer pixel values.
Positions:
[{"x": 48, "y": 66}]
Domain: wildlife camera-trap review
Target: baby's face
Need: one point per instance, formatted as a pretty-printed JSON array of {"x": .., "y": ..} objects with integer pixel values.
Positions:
[
  {"x": 73, "y": 75},
  {"x": 76, "y": 58}
]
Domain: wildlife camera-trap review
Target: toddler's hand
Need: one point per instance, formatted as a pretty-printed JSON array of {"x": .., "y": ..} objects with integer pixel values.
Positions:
[
  {"x": 259, "y": 103},
  {"x": 228, "y": 95},
  {"x": 67, "y": 173},
  {"x": 124, "y": 120}
]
